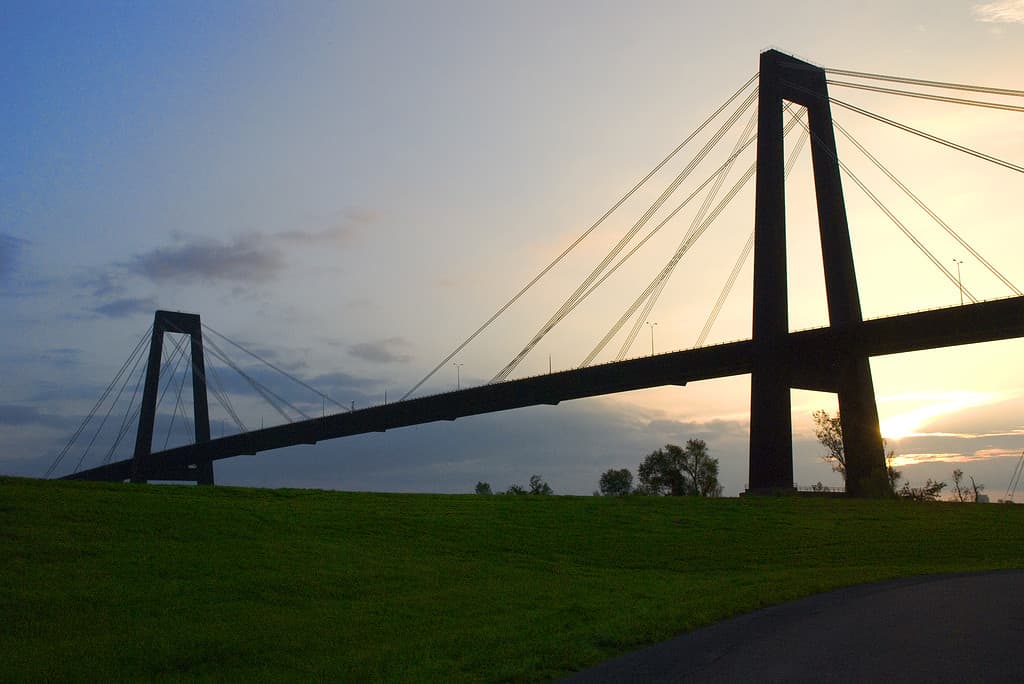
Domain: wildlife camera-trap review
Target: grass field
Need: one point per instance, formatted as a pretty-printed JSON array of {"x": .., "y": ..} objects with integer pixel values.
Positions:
[{"x": 166, "y": 583}]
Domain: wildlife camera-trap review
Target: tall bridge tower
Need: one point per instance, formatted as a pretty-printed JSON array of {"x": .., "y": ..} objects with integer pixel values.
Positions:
[
  {"x": 841, "y": 366},
  {"x": 141, "y": 468}
]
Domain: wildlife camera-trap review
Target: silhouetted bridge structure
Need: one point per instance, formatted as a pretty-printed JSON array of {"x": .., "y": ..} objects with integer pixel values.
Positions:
[
  {"x": 969, "y": 324},
  {"x": 831, "y": 359}
]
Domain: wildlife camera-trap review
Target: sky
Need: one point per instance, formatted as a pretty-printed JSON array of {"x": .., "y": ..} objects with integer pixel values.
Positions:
[{"x": 350, "y": 189}]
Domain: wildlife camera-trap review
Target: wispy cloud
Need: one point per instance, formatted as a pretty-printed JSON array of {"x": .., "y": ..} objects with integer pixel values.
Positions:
[
  {"x": 382, "y": 351},
  {"x": 18, "y": 415},
  {"x": 247, "y": 258},
  {"x": 128, "y": 306},
  {"x": 1000, "y": 12}
]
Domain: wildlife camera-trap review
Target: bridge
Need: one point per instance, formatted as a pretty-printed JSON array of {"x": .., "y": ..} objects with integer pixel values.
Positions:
[{"x": 830, "y": 359}]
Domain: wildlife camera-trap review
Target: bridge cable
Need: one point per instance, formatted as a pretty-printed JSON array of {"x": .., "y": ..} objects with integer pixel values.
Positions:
[
  {"x": 85, "y": 421},
  {"x": 741, "y": 260},
  {"x": 177, "y": 404},
  {"x": 576, "y": 297},
  {"x": 899, "y": 224},
  {"x": 909, "y": 129},
  {"x": 268, "y": 394},
  {"x": 573, "y": 299},
  {"x": 927, "y": 96},
  {"x": 217, "y": 389},
  {"x": 110, "y": 410},
  {"x": 653, "y": 284},
  {"x": 129, "y": 416},
  {"x": 657, "y": 278},
  {"x": 132, "y": 418},
  {"x": 929, "y": 136},
  {"x": 580, "y": 238},
  {"x": 682, "y": 205},
  {"x": 920, "y": 203},
  {"x": 932, "y": 84},
  {"x": 1011, "y": 488},
  {"x": 702, "y": 212},
  {"x": 683, "y": 248},
  {"x": 279, "y": 370}
]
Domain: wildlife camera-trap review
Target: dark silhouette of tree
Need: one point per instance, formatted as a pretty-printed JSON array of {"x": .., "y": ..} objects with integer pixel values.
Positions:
[
  {"x": 616, "y": 482},
  {"x": 828, "y": 430},
  {"x": 539, "y": 486},
  {"x": 962, "y": 492},
  {"x": 929, "y": 492},
  {"x": 483, "y": 488},
  {"x": 675, "y": 471}
]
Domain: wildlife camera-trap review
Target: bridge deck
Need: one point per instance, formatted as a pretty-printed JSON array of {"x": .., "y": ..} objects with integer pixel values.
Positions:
[{"x": 818, "y": 351}]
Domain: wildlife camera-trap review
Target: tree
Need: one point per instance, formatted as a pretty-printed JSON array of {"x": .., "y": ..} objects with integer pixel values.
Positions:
[
  {"x": 483, "y": 488},
  {"x": 960, "y": 487},
  {"x": 539, "y": 486},
  {"x": 701, "y": 468},
  {"x": 616, "y": 482},
  {"x": 829, "y": 432},
  {"x": 929, "y": 492},
  {"x": 515, "y": 489},
  {"x": 961, "y": 491},
  {"x": 675, "y": 471}
]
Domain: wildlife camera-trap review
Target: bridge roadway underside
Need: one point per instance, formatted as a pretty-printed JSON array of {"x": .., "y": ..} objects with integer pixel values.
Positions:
[{"x": 813, "y": 355}]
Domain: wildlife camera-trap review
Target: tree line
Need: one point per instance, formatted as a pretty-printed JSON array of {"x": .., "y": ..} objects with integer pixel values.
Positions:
[
  {"x": 537, "y": 487},
  {"x": 669, "y": 471}
]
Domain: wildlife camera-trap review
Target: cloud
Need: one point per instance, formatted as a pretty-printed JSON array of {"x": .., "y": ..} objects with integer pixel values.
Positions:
[
  {"x": 381, "y": 351},
  {"x": 10, "y": 248},
  {"x": 62, "y": 357},
  {"x": 126, "y": 307},
  {"x": 247, "y": 258},
  {"x": 18, "y": 415},
  {"x": 1000, "y": 12}
]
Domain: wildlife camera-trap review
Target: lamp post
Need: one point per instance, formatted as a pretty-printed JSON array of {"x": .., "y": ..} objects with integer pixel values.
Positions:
[
  {"x": 652, "y": 335},
  {"x": 458, "y": 375},
  {"x": 959, "y": 284}
]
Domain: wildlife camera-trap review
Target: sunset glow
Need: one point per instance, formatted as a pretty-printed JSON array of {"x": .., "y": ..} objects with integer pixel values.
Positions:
[{"x": 354, "y": 188}]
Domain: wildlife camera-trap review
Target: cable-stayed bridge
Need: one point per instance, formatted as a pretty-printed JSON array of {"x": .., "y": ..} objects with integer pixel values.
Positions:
[{"x": 832, "y": 359}]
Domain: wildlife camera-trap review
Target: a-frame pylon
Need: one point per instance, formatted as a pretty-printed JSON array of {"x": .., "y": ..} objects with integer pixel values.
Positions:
[
  {"x": 841, "y": 366},
  {"x": 143, "y": 468}
]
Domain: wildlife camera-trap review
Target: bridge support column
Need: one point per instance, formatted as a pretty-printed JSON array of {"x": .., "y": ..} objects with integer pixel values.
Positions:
[
  {"x": 774, "y": 367},
  {"x": 142, "y": 467}
]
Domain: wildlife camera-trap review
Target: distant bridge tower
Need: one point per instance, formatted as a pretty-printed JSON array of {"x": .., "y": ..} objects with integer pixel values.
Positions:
[
  {"x": 841, "y": 365},
  {"x": 142, "y": 468}
]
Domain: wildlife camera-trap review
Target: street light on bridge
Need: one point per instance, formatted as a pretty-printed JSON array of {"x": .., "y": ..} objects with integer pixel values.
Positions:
[
  {"x": 652, "y": 335},
  {"x": 958, "y": 283},
  {"x": 458, "y": 375}
]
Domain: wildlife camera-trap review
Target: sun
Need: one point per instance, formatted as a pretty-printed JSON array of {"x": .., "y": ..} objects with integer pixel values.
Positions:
[{"x": 930, "y": 405}]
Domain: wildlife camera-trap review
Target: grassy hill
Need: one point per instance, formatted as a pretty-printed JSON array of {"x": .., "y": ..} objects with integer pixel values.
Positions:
[{"x": 154, "y": 582}]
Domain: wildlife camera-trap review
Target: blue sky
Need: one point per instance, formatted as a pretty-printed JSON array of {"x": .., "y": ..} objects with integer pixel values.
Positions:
[{"x": 351, "y": 188}]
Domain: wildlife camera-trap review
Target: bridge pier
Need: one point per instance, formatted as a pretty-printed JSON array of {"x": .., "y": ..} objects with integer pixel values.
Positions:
[
  {"x": 142, "y": 468},
  {"x": 844, "y": 368}
]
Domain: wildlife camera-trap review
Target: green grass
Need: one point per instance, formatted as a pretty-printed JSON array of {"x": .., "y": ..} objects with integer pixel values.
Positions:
[{"x": 132, "y": 582}]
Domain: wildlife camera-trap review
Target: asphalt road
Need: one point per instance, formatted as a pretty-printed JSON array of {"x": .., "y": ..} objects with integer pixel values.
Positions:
[{"x": 939, "y": 628}]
